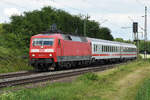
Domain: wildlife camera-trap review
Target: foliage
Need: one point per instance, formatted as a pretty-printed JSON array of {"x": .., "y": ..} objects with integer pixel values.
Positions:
[
  {"x": 142, "y": 44},
  {"x": 89, "y": 76},
  {"x": 31, "y": 23},
  {"x": 119, "y": 40},
  {"x": 144, "y": 92},
  {"x": 12, "y": 54},
  {"x": 1, "y": 28},
  {"x": 122, "y": 40}
]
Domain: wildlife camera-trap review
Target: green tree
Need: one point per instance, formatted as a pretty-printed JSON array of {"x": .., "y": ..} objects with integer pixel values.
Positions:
[
  {"x": 119, "y": 40},
  {"x": 34, "y": 22},
  {"x": 1, "y": 28}
]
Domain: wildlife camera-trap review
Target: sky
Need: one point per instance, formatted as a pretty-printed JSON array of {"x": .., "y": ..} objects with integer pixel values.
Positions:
[{"x": 117, "y": 15}]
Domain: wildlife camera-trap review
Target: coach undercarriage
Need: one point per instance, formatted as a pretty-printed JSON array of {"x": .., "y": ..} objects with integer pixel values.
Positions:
[{"x": 50, "y": 65}]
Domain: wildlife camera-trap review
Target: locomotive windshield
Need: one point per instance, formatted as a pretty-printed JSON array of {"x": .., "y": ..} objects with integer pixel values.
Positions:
[{"x": 42, "y": 41}]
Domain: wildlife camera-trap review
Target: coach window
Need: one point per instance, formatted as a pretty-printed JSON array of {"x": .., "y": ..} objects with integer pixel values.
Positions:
[
  {"x": 110, "y": 48},
  {"x": 117, "y": 49},
  {"x": 94, "y": 47},
  {"x": 113, "y": 49},
  {"x": 105, "y": 48}
]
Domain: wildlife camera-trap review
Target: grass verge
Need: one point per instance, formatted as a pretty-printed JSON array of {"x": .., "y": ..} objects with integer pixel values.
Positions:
[
  {"x": 144, "y": 91},
  {"x": 120, "y": 83}
]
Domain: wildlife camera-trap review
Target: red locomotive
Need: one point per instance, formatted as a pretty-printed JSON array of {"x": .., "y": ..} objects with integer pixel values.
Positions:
[
  {"x": 49, "y": 51},
  {"x": 54, "y": 51}
]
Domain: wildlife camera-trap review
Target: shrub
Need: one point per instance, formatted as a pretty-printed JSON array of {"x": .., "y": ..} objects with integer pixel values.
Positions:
[{"x": 89, "y": 76}]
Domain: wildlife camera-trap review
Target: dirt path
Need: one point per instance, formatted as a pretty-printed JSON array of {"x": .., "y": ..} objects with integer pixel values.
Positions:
[{"x": 127, "y": 86}]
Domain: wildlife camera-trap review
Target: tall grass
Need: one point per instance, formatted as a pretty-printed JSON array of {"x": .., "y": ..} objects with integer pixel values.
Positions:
[
  {"x": 144, "y": 92},
  {"x": 89, "y": 86},
  {"x": 12, "y": 50}
]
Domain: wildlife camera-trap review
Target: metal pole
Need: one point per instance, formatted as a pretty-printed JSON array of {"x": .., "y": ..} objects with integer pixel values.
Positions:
[
  {"x": 85, "y": 27},
  {"x": 145, "y": 37},
  {"x": 86, "y": 18}
]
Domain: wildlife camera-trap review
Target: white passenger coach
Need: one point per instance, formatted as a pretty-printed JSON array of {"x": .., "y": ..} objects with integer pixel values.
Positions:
[{"x": 104, "y": 49}]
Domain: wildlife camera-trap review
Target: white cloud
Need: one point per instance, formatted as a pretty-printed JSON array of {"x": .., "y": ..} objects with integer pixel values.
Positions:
[
  {"x": 116, "y": 12},
  {"x": 11, "y": 11}
]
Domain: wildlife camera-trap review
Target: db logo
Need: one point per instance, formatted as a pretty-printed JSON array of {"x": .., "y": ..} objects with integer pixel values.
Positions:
[
  {"x": 41, "y": 55},
  {"x": 41, "y": 50}
]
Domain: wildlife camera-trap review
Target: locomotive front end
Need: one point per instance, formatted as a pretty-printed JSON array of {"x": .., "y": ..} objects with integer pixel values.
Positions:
[{"x": 42, "y": 52}]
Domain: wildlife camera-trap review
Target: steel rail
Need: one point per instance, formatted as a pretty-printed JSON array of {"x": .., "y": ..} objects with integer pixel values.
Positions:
[
  {"x": 16, "y": 74},
  {"x": 50, "y": 76}
]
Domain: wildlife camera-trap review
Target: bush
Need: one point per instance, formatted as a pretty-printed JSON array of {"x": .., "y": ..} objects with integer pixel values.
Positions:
[{"x": 89, "y": 76}]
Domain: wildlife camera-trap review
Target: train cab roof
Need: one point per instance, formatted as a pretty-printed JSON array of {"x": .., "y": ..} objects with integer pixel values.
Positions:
[{"x": 63, "y": 36}]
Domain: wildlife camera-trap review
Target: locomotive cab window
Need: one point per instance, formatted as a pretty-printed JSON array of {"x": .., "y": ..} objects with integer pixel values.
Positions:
[{"x": 42, "y": 41}]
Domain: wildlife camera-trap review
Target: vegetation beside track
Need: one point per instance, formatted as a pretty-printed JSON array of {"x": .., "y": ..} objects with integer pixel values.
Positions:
[
  {"x": 121, "y": 83},
  {"x": 144, "y": 91},
  {"x": 13, "y": 57}
]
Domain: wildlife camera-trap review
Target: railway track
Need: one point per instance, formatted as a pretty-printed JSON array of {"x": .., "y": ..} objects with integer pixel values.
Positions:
[
  {"x": 41, "y": 77},
  {"x": 16, "y": 74}
]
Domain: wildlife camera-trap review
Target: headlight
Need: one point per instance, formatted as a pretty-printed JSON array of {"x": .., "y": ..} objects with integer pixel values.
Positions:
[
  {"x": 50, "y": 55},
  {"x": 33, "y": 55}
]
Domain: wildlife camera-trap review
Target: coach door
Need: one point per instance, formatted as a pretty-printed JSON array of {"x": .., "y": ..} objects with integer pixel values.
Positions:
[
  {"x": 60, "y": 50},
  {"x": 121, "y": 52}
]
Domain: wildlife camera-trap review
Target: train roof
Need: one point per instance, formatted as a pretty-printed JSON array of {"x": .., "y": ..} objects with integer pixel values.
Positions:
[
  {"x": 111, "y": 42},
  {"x": 82, "y": 39},
  {"x": 64, "y": 37}
]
